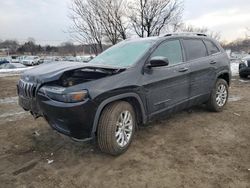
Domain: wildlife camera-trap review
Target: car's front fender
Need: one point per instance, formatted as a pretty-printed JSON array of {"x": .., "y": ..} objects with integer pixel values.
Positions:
[{"x": 116, "y": 98}]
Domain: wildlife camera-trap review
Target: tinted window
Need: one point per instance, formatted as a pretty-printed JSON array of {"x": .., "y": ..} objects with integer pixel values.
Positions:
[
  {"x": 212, "y": 49},
  {"x": 171, "y": 50},
  {"x": 194, "y": 48}
]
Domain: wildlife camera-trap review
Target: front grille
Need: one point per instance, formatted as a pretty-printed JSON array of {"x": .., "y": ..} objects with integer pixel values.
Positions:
[{"x": 26, "y": 89}]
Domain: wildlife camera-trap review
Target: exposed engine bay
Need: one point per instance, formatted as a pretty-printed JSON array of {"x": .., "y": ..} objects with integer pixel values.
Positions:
[{"x": 87, "y": 74}]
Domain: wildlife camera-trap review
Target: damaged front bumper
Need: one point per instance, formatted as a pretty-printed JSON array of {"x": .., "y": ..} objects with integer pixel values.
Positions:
[{"x": 71, "y": 119}]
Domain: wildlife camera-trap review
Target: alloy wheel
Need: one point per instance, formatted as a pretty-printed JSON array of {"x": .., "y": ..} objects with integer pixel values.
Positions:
[
  {"x": 221, "y": 95},
  {"x": 124, "y": 128}
]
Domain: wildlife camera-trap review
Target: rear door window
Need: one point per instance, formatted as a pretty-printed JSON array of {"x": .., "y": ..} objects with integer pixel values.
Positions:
[
  {"x": 171, "y": 50},
  {"x": 211, "y": 47},
  {"x": 194, "y": 49}
]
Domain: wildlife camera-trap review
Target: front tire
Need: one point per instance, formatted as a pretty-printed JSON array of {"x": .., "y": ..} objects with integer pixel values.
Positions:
[
  {"x": 219, "y": 96},
  {"x": 116, "y": 128}
]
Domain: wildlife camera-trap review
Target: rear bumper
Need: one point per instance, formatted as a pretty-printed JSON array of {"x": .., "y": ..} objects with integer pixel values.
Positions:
[{"x": 71, "y": 119}]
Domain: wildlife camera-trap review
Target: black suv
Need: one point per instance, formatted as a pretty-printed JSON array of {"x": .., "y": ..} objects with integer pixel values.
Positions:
[
  {"x": 127, "y": 85},
  {"x": 244, "y": 67}
]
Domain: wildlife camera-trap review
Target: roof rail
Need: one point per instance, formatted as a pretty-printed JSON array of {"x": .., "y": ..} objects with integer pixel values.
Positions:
[{"x": 185, "y": 33}]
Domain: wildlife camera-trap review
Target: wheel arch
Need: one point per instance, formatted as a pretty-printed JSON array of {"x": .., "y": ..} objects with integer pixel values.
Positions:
[
  {"x": 133, "y": 98},
  {"x": 225, "y": 75}
]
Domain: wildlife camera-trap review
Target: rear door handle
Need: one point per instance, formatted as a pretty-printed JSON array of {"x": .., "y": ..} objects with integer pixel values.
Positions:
[
  {"x": 184, "y": 69},
  {"x": 212, "y": 62}
]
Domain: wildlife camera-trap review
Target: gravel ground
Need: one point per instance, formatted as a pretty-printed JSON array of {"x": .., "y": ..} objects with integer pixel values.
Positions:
[{"x": 193, "y": 148}]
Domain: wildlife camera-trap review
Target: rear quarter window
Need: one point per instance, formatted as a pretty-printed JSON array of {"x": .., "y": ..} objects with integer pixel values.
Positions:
[
  {"x": 211, "y": 47},
  {"x": 194, "y": 49}
]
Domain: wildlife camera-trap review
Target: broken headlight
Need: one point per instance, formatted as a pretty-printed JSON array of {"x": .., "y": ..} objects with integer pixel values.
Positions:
[{"x": 59, "y": 94}]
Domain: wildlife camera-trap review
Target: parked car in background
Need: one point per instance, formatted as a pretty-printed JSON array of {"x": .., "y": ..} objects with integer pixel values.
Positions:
[
  {"x": 3, "y": 60},
  {"x": 15, "y": 59},
  {"x": 127, "y": 85},
  {"x": 69, "y": 58},
  {"x": 21, "y": 58},
  {"x": 84, "y": 59},
  {"x": 12, "y": 66},
  {"x": 45, "y": 60},
  {"x": 244, "y": 67},
  {"x": 30, "y": 60},
  {"x": 49, "y": 59}
]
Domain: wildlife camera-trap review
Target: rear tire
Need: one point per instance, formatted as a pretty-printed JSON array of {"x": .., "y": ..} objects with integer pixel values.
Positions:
[
  {"x": 116, "y": 128},
  {"x": 219, "y": 96}
]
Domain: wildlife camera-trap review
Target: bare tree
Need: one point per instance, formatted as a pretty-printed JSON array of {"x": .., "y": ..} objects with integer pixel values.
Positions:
[
  {"x": 215, "y": 35},
  {"x": 111, "y": 16},
  {"x": 31, "y": 39},
  {"x": 239, "y": 45},
  {"x": 176, "y": 24},
  {"x": 191, "y": 28},
  {"x": 150, "y": 17},
  {"x": 11, "y": 45},
  {"x": 67, "y": 48},
  {"x": 97, "y": 20},
  {"x": 86, "y": 27}
]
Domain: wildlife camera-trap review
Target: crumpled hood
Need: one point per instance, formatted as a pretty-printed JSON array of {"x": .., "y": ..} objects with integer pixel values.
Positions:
[{"x": 52, "y": 71}]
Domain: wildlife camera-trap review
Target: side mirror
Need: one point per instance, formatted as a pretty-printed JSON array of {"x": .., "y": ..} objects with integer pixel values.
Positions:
[{"x": 158, "y": 61}]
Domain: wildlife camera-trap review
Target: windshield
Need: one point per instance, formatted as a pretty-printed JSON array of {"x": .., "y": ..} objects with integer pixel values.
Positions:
[{"x": 124, "y": 54}]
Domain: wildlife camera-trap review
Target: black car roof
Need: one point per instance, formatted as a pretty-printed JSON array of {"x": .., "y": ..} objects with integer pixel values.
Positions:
[{"x": 172, "y": 35}]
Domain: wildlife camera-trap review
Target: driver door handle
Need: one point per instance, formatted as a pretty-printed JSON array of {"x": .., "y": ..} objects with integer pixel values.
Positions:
[{"x": 184, "y": 69}]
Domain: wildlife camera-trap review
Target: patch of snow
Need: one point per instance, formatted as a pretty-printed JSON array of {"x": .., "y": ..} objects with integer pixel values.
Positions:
[
  {"x": 235, "y": 68},
  {"x": 237, "y": 114},
  {"x": 12, "y": 116},
  {"x": 7, "y": 74},
  {"x": 14, "y": 71},
  {"x": 234, "y": 98},
  {"x": 8, "y": 100},
  {"x": 50, "y": 161},
  {"x": 4, "y": 115},
  {"x": 246, "y": 57},
  {"x": 36, "y": 133},
  {"x": 244, "y": 81}
]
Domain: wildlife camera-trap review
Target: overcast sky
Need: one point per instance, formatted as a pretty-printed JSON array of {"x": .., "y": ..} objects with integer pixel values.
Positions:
[{"x": 47, "y": 20}]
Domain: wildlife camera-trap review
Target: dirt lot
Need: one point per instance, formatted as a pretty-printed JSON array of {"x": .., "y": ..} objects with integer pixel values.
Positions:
[{"x": 193, "y": 148}]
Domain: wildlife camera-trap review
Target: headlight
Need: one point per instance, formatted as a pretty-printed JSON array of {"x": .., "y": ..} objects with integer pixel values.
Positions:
[{"x": 58, "y": 94}]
